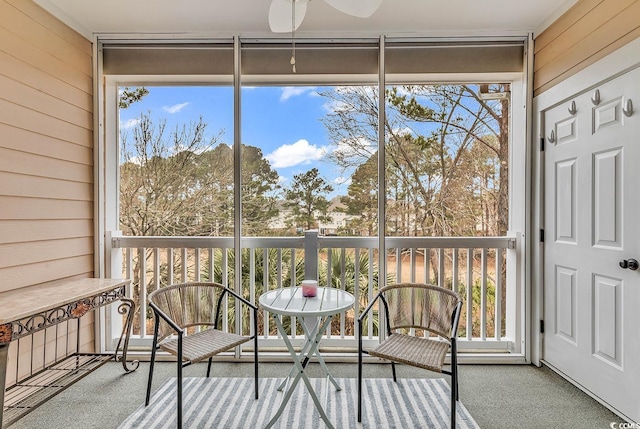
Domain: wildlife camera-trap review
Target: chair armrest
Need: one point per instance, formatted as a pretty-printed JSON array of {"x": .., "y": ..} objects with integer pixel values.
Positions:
[
  {"x": 368, "y": 308},
  {"x": 166, "y": 318},
  {"x": 255, "y": 307},
  {"x": 455, "y": 320},
  {"x": 252, "y": 306}
]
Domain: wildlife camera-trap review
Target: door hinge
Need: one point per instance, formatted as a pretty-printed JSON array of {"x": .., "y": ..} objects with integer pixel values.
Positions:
[
  {"x": 542, "y": 326},
  {"x": 541, "y": 144},
  {"x": 541, "y": 235}
]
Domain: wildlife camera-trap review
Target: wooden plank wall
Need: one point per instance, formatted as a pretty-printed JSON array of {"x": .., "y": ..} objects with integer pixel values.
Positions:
[
  {"x": 46, "y": 160},
  {"x": 46, "y": 156},
  {"x": 587, "y": 32}
]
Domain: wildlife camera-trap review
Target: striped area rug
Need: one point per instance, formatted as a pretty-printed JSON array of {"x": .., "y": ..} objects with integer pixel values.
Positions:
[{"x": 228, "y": 403}]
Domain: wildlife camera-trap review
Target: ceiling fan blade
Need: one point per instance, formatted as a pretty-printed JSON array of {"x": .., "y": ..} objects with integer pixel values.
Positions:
[
  {"x": 280, "y": 15},
  {"x": 359, "y": 8}
]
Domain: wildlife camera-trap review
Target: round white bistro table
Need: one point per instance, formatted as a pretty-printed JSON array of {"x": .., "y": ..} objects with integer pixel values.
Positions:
[{"x": 317, "y": 312}]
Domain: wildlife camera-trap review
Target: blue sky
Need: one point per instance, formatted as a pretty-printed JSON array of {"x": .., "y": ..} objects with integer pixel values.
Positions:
[{"x": 283, "y": 121}]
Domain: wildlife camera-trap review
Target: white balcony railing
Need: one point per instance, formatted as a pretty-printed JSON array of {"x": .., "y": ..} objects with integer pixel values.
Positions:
[{"x": 477, "y": 267}]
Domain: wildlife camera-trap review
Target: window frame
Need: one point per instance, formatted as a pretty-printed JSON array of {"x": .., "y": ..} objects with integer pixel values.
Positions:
[{"x": 107, "y": 165}]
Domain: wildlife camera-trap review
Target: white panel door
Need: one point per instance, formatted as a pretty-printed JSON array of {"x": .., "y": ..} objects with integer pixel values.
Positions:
[{"x": 591, "y": 219}]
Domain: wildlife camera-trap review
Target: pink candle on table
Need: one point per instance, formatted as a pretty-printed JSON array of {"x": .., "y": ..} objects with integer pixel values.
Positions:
[{"x": 309, "y": 288}]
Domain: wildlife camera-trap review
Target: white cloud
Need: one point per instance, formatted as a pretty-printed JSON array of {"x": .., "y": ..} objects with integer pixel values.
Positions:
[
  {"x": 301, "y": 152},
  {"x": 359, "y": 146},
  {"x": 130, "y": 123},
  {"x": 334, "y": 106},
  {"x": 345, "y": 95},
  {"x": 294, "y": 91},
  {"x": 175, "y": 108}
]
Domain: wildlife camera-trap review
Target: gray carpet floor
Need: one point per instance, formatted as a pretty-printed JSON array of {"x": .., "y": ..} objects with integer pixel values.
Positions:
[{"x": 497, "y": 396}]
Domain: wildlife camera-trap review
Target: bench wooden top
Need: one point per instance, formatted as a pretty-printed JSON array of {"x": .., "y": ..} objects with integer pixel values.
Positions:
[{"x": 23, "y": 302}]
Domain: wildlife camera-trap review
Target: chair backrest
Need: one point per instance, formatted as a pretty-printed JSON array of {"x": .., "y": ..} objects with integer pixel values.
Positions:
[
  {"x": 421, "y": 306},
  {"x": 187, "y": 304}
]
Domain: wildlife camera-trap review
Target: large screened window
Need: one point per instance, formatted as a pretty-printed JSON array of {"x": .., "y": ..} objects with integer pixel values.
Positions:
[
  {"x": 220, "y": 148},
  {"x": 309, "y": 140},
  {"x": 309, "y": 160}
]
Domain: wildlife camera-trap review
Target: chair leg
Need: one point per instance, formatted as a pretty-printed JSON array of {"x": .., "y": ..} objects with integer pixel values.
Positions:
[
  {"x": 179, "y": 398},
  {"x": 359, "y": 372},
  {"x": 454, "y": 383},
  {"x": 153, "y": 360},
  {"x": 255, "y": 362},
  {"x": 454, "y": 400},
  {"x": 209, "y": 366}
]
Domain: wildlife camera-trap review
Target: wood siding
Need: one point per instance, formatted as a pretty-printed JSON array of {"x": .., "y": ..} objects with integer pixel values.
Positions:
[
  {"x": 46, "y": 148},
  {"x": 46, "y": 168},
  {"x": 587, "y": 32}
]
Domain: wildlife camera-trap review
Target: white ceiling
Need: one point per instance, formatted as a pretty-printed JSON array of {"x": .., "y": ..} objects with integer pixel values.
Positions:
[{"x": 249, "y": 17}]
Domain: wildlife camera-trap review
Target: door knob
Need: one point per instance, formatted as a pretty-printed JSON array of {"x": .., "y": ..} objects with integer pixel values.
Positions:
[{"x": 631, "y": 264}]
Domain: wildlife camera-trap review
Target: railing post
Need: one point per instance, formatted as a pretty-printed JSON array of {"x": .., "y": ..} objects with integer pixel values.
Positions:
[
  {"x": 514, "y": 308},
  {"x": 311, "y": 254},
  {"x": 110, "y": 321},
  {"x": 113, "y": 257}
]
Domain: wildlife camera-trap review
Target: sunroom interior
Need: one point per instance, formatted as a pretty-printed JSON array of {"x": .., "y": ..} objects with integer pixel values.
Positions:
[{"x": 546, "y": 275}]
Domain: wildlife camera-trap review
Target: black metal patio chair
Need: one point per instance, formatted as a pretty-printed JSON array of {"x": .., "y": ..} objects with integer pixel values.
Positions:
[
  {"x": 187, "y": 317},
  {"x": 429, "y": 310}
]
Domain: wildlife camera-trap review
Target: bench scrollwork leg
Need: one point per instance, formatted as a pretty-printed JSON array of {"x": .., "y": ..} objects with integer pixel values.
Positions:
[{"x": 127, "y": 306}]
